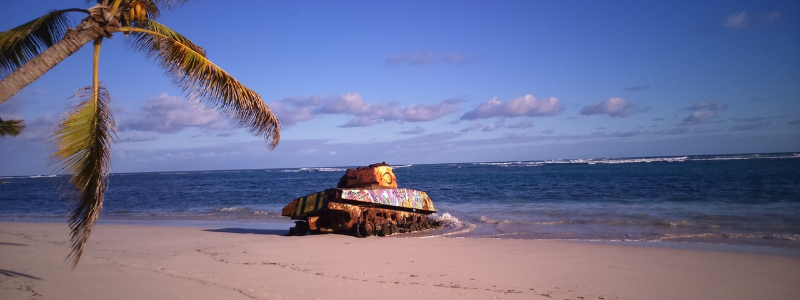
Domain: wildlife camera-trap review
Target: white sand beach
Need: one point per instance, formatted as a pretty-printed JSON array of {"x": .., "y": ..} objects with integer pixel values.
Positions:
[{"x": 149, "y": 262}]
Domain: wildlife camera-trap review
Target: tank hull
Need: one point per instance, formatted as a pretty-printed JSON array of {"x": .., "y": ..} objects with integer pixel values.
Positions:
[{"x": 362, "y": 212}]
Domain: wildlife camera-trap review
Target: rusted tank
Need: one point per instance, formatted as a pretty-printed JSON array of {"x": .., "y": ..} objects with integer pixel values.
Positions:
[{"x": 366, "y": 202}]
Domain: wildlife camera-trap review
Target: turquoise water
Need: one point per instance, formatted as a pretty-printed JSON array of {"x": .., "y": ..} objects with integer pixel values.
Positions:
[{"x": 749, "y": 199}]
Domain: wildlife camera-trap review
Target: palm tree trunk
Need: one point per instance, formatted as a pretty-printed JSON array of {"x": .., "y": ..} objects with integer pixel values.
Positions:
[{"x": 36, "y": 67}]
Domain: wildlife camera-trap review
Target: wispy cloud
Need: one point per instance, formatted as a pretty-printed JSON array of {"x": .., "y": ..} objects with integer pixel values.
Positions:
[
  {"x": 772, "y": 17},
  {"x": 613, "y": 107},
  {"x": 712, "y": 106},
  {"x": 429, "y": 58},
  {"x": 759, "y": 119},
  {"x": 471, "y": 127},
  {"x": 703, "y": 112},
  {"x": 751, "y": 126},
  {"x": 297, "y": 109},
  {"x": 39, "y": 129},
  {"x": 629, "y": 133},
  {"x": 743, "y": 19},
  {"x": 518, "y": 107},
  {"x": 290, "y": 112},
  {"x": 521, "y": 125},
  {"x": 684, "y": 130},
  {"x": 736, "y": 20},
  {"x": 171, "y": 114},
  {"x": 415, "y": 130},
  {"x": 699, "y": 117},
  {"x": 11, "y": 108},
  {"x": 138, "y": 137},
  {"x": 494, "y": 126},
  {"x": 639, "y": 87}
]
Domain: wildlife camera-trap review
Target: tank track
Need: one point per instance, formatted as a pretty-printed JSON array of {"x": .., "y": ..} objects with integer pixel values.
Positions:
[{"x": 366, "y": 221}]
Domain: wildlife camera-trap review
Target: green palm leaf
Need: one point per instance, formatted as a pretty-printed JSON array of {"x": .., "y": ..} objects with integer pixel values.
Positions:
[
  {"x": 11, "y": 127},
  {"x": 82, "y": 143},
  {"x": 201, "y": 78},
  {"x": 20, "y": 44}
]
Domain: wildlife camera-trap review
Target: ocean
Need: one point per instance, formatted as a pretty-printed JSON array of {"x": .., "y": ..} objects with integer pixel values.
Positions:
[{"x": 751, "y": 199}]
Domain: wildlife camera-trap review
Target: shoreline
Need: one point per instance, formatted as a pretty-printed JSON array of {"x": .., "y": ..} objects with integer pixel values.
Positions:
[
  {"x": 768, "y": 247},
  {"x": 158, "y": 262}
]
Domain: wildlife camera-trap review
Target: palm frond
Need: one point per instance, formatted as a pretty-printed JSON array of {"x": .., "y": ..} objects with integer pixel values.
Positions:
[
  {"x": 201, "y": 78},
  {"x": 147, "y": 42},
  {"x": 82, "y": 143},
  {"x": 169, "y": 3},
  {"x": 149, "y": 4},
  {"x": 20, "y": 44},
  {"x": 11, "y": 127}
]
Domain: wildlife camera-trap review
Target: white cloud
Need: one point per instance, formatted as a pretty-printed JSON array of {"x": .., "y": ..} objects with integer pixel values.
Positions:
[
  {"x": 613, "y": 107},
  {"x": 703, "y": 112},
  {"x": 350, "y": 104},
  {"x": 522, "y": 106},
  {"x": 294, "y": 110},
  {"x": 360, "y": 121},
  {"x": 736, "y": 21},
  {"x": 364, "y": 114},
  {"x": 289, "y": 114},
  {"x": 171, "y": 114}
]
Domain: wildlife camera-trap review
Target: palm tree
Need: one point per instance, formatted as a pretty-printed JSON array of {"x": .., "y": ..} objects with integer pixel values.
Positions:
[
  {"x": 82, "y": 140},
  {"x": 11, "y": 127}
]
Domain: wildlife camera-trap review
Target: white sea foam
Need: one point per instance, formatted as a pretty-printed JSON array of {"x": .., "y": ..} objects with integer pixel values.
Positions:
[
  {"x": 322, "y": 169},
  {"x": 592, "y": 161},
  {"x": 510, "y": 164},
  {"x": 331, "y": 169},
  {"x": 43, "y": 176},
  {"x": 488, "y": 220},
  {"x": 447, "y": 219},
  {"x": 234, "y": 208}
]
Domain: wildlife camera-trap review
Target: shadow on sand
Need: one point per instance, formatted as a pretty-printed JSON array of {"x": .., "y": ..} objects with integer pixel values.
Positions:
[
  {"x": 250, "y": 231},
  {"x": 9, "y": 273},
  {"x": 12, "y": 244}
]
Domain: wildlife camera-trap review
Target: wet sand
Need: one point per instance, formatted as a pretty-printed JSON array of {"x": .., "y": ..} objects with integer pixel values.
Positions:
[{"x": 150, "y": 262}]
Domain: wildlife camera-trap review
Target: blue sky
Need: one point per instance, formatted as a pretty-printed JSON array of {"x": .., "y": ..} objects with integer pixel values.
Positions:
[{"x": 411, "y": 82}]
